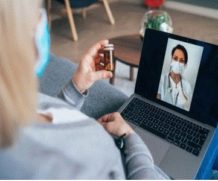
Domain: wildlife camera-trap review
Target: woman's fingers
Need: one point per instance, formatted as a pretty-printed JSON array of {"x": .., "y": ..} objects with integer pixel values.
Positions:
[{"x": 94, "y": 50}]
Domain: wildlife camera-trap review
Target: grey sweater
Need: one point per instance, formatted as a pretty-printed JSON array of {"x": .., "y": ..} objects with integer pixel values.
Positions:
[{"x": 77, "y": 150}]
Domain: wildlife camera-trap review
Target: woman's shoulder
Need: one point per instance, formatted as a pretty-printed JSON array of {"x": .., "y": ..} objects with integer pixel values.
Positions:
[
  {"x": 78, "y": 131},
  {"x": 186, "y": 83},
  {"x": 76, "y": 146},
  {"x": 164, "y": 78}
]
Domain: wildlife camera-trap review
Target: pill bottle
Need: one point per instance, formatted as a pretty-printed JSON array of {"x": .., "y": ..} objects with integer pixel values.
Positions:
[{"x": 108, "y": 59}]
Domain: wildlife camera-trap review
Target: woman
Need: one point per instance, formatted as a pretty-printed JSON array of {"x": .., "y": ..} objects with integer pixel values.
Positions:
[
  {"x": 173, "y": 88},
  {"x": 60, "y": 142}
]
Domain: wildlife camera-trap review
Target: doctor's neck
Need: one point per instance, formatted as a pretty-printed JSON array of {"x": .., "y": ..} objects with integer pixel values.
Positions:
[{"x": 176, "y": 77}]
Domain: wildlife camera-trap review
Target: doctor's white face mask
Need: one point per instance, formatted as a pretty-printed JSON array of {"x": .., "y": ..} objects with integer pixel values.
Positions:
[
  {"x": 42, "y": 40},
  {"x": 177, "y": 67}
]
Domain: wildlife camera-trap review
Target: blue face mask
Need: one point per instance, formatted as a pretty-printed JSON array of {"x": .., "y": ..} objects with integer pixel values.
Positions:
[{"x": 42, "y": 39}]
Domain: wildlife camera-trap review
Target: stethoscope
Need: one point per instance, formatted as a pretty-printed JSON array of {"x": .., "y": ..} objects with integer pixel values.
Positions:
[{"x": 171, "y": 89}]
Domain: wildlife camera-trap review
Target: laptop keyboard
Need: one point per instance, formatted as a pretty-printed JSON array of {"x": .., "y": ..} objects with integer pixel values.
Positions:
[{"x": 168, "y": 126}]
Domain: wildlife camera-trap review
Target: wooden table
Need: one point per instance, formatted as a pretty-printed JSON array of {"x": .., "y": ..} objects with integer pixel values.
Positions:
[{"x": 128, "y": 51}]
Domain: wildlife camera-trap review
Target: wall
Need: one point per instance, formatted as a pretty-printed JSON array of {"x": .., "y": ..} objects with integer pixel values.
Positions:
[
  {"x": 133, "y": 1},
  {"x": 208, "y": 8},
  {"x": 202, "y": 3}
]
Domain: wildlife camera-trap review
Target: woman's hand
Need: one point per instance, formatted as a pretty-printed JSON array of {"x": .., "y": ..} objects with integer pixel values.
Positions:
[
  {"x": 115, "y": 124},
  {"x": 86, "y": 73}
]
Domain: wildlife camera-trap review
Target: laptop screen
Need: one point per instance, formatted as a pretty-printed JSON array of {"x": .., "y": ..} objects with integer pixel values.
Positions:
[{"x": 181, "y": 74}]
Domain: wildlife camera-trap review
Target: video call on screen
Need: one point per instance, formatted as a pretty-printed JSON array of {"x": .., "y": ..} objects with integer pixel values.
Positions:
[{"x": 181, "y": 74}]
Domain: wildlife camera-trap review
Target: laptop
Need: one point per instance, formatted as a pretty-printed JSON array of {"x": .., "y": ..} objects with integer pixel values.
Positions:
[{"x": 175, "y": 104}]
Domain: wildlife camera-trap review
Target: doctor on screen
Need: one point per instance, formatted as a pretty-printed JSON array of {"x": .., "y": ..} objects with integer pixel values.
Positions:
[{"x": 173, "y": 88}]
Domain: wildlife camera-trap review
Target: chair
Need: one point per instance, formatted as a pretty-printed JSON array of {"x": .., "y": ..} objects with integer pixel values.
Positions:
[
  {"x": 71, "y": 5},
  {"x": 59, "y": 72}
]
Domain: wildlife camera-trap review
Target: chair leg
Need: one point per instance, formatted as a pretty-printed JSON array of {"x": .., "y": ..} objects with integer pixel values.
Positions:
[
  {"x": 48, "y": 7},
  {"x": 131, "y": 73},
  {"x": 71, "y": 20},
  {"x": 84, "y": 13},
  {"x": 109, "y": 13}
]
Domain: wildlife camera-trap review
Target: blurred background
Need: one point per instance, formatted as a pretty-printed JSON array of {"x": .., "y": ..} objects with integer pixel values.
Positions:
[{"x": 197, "y": 19}]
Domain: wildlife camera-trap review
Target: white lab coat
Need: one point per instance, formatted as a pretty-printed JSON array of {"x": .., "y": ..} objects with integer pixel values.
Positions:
[{"x": 174, "y": 94}]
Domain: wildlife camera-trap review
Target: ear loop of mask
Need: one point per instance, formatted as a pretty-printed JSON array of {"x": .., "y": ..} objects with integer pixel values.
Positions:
[{"x": 42, "y": 40}]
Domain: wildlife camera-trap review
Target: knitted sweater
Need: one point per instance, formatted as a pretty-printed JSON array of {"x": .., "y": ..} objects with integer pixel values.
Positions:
[{"x": 79, "y": 149}]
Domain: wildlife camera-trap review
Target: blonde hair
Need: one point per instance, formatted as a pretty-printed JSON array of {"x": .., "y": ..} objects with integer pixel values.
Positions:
[{"x": 18, "y": 86}]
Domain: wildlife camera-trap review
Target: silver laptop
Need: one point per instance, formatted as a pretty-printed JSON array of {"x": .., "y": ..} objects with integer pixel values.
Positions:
[{"x": 175, "y": 105}]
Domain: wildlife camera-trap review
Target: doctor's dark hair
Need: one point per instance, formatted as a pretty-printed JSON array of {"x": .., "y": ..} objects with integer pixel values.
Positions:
[{"x": 182, "y": 48}]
